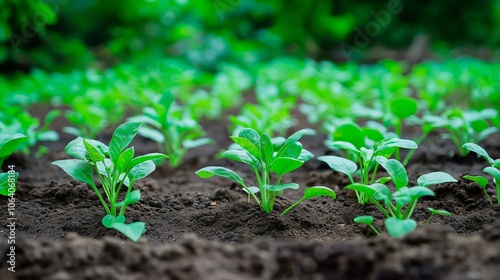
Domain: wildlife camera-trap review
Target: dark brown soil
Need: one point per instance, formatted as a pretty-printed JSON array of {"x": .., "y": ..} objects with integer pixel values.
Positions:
[{"x": 59, "y": 233}]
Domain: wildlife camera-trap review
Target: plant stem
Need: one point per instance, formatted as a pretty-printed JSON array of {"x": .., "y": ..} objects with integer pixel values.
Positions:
[
  {"x": 487, "y": 196},
  {"x": 374, "y": 229},
  {"x": 412, "y": 151},
  {"x": 429, "y": 219},
  {"x": 412, "y": 209},
  {"x": 291, "y": 207},
  {"x": 381, "y": 208}
]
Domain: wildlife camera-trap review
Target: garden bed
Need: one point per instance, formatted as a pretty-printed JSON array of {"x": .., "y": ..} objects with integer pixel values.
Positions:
[{"x": 206, "y": 229}]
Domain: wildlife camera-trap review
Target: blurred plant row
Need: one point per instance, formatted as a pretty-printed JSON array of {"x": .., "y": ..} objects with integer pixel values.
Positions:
[
  {"x": 361, "y": 104},
  {"x": 46, "y": 33}
]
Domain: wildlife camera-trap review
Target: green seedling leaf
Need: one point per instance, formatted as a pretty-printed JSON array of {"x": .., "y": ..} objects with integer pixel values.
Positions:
[
  {"x": 435, "y": 178},
  {"x": 318, "y": 191},
  {"x": 402, "y": 197},
  {"x": 247, "y": 145},
  {"x": 284, "y": 165},
  {"x": 383, "y": 180},
  {"x": 77, "y": 148},
  {"x": 367, "y": 220},
  {"x": 94, "y": 153},
  {"x": 440, "y": 212},
  {"x": 382, "y": 193},
  {"x": 146, "y": 157},
  {"x": 480, "y": 180},
  {"x": 131, "y": 198},
  {"x": 494, "y": 172},
  {"x": 418, "y": 192},
  {"x": 404, "y": 107},
  {"x": 387, "y": 144},
  {"x": 141, "y": 170},
  {"x": 281, "y": 187},
  {"x": 266, "y": 148},
  {"x": 367, "y": 190},
  {"x": 340, "y": 164},
  {"x": 190, "y": 144},
  {"x": 240, "y": 156},
  {"x": 396, "y": 170},
  {"x": 122, "y": 137},
  {"x": 78, "y": 169},
  {"x": 249, "y": 134},
  {"x": 296, "y": 137},
  {"x": 398, "y": 228},
  {"x": 109, "y": 219},
  {"x": 305, "y": 155},
  {"x": 293, "y": 150},
  {"x": 166, "y": 100},
  {"x": 496, "y": 163},
  {"x": 9, "y": 143},
  {"x": 343, "y": 146},
  {"x": 133, "y": 231},
  {"x": 351, "y": 133},
  {"x": 478, "y": 150},
  {"x": 151, "y": 133},
  {"x": 210, "y": 171},
  {"x": 486, "y": 133},
  {"x": 310, "y": 193}
]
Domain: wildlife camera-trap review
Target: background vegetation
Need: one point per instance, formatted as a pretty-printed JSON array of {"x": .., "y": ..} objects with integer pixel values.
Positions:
[{"x": 60, "y": 35}]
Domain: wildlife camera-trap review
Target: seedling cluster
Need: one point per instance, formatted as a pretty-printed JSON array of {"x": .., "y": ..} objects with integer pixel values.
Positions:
[{"x": 364, "y": 111}]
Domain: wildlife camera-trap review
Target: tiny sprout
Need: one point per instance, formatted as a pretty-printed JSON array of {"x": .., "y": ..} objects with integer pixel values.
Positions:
[
  {"x": 437, "y": 212},
  {"x": 367, "y": 220}
]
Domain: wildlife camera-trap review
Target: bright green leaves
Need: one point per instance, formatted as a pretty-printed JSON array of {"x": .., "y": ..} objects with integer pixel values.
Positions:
[
  {"x": 399, "y": 228},
  {"x": 340, "y": 164},
  {"x": 210, "y": 171},
  {"x": 397, "y": 207},
  {"x": 78, "y": 169},
  {"x": 435, "y": 178},
  {"x": 437, "y": 212},
  {"x": 173, "y": 127},
  {"x": 266, "y": 156},
  {"x": 493, "y": 170},
  {"x": 311, "y": 193},
  {"x": 9, "y": 144},
  {"x": 351, "y": 133},
  {"x": 403, "y": 107},
  {"x": 115, "y": 166},
  {"x": 396, "y": 170},
  {"x": 285, "y": 165},
  {"x": 369, "y": 161},
  {"x": 133, "y": 231},
  {"x": 122, "y": 137}
]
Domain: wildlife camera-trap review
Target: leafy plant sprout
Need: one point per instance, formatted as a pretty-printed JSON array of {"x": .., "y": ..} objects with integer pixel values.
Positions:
[
  {"x": 115, "y": 167},
  {"x": 401, "y": 204},
  {"x": 266, "y": 158},
  {"x": 366, "y": 160},
  {"x": 493, "y": 169},
  {"x": 168, "y": 126}
]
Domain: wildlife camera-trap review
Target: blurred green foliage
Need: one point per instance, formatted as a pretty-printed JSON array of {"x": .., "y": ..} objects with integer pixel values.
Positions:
[{"x": 63, "y": 34}]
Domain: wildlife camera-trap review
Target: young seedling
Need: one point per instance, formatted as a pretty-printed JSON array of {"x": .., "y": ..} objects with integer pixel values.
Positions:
[
  {"x": 367, "y": 220},
  {"x": 14, "y": 121},
  {"x": 437, "y": 212},
  {"x": 9, "y": 143},
  {"x": 398, "y": 214},
  {"x": 493, "y": 169},
  {"x": 174, "y": 132},
  {"x": 115, "y": 166},
  {"x": 401, "y": 109},
  {"x": 257, "y": 150},
  {"x": 366, "y": 160},
  {"x": 482, "y": 182},
  {"x": 466, "y": 126}
]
